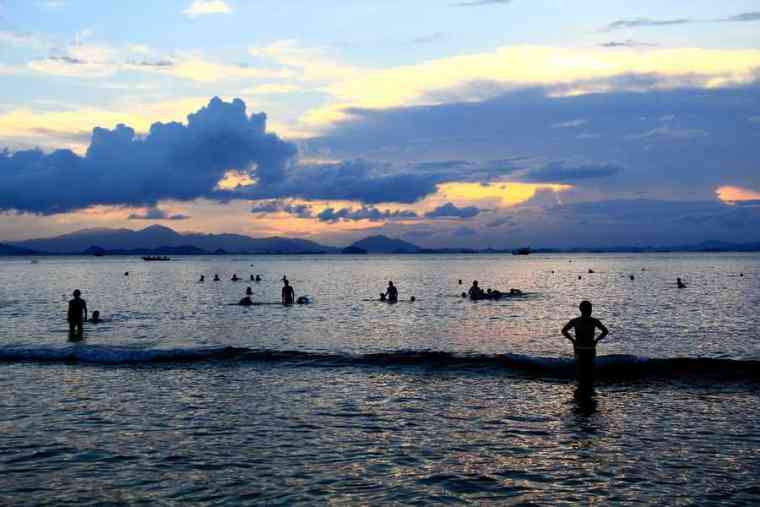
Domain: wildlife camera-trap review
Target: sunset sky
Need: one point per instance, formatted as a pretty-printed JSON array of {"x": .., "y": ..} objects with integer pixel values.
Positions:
[{"x": 483, "y": 123}]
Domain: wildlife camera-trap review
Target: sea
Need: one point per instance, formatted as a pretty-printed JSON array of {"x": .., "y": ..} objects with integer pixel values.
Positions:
[{"x": 180, "y": 396}]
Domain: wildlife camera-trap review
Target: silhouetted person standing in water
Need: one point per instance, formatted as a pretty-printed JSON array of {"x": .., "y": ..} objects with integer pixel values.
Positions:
[
  {"x": 288, "y": 294},
  {"x": 680, "y": 284},
  {"x": 76, "y": 315},
  {"x": 584, "y": 343},
  {"x": 391, "y": 293}
]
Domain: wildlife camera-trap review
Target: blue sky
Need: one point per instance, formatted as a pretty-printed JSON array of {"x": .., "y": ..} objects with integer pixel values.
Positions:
[{"x": 446, "y": 123}]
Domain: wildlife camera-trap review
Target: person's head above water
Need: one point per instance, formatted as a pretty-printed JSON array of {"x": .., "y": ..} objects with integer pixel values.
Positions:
[
  {"x": 585, "y": 308},
  {"x": 96, "y": 315},
  {"x": 285, "y": 281},
  {"x": 249, "y": 291},
  {"x": 77, "y": 293}
]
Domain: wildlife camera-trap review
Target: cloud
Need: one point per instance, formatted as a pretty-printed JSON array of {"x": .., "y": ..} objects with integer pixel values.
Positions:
[
  {"x": 205, "y": 7},
  {"x": 156, "y": 214},
  {"x": 449, "y": 210},
  {"x": 355, "y": 180},
  {"x": 501, "y": 221},
  {"x": 647, "y": 22},
  {"x": 628, "y": 44},
  {"x": 560, "y": 173},
  {"x": 364, "y": 213},
  {"x": 277, "y": 206},
  {"x": 172, "y": 161},
  {"x": 672, "y": 133},
  {"x": 570, "y": 124},
  {"x": 640, "y": 22}
]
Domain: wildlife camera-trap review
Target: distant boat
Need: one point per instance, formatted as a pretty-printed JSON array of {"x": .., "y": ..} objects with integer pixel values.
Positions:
[
  {"x": 151, "y": 258},
  {"x": 521, "y": 251}
]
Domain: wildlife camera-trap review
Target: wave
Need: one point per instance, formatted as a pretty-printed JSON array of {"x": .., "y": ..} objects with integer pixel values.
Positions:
[{"x": 607, "y": 367}]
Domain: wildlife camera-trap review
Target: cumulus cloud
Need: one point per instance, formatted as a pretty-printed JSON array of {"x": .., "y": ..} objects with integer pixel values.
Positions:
[
  {"x": 449, "y": 210},
  {"x": 173, "y": 160},
  {"x": 205, "y": 7},
  {"x": 156, "y": 214},
  {"x": 364, "y": 213}
]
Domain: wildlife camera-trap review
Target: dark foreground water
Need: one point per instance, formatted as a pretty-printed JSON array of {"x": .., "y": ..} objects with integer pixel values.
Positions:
[{"x": 182, "y": 398}]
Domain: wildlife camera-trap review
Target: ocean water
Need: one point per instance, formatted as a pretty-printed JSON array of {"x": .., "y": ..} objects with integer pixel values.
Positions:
[{"x": 182, "y": 396}]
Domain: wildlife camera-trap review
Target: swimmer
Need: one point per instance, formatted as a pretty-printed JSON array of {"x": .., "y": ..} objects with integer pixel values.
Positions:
[
  {"x": 288, "y": 294},
  {"x": 515, "y": 292},
  {"x": 246, "y": 301},
  {"x": 253, "y": 279},
  {"x": 392, "y": 293},
  {"x": 633, "y": 277},
  {"x": 580, "y": 277},
  {"x": 258, "y": 278},
  {"x": 248, "y": 291},
  {"x": 302, "y": 300},
  {"x": 584, "y": 343},
  {"x": 591, "y": 271},
  {"x": 234, "y": 278},
  {"x": 202, "y": 279},
  {"x": 412, "y": 299},
  {"x": 382, "y": 296},
  {"x": 95, "y": 319},
  {"x": 460, "y": 282},
  {"x": 126, "y": 273},
  {"x": 680, "y": 284},
  {"x": 76, "y": 315},
  {"x": 475, "y": 292},
  {"x": 464, "y": 294},
  {"x": 216, "y": 278}
]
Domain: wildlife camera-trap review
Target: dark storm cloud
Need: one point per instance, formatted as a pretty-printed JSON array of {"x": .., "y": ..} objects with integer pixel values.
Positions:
[
  {"x": 364, "y": 213},
  {"x": 156, "y": 214},
  {"x": 449, "y": 210},
  {"x": 559, "y": 173}
]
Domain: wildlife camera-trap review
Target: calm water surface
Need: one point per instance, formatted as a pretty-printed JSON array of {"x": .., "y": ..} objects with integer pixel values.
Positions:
[{"x": 115, "y": 427}]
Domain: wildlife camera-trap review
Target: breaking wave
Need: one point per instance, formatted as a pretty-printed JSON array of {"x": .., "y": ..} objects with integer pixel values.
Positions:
[{"x": 608, "y": 367}]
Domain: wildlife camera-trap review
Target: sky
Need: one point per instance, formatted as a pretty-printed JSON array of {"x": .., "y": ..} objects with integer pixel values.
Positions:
[{"x": 459, "y": 123}]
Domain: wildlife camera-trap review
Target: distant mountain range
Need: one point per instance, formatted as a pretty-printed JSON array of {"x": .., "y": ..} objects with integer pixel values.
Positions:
[{"x": 160, "y": 240}]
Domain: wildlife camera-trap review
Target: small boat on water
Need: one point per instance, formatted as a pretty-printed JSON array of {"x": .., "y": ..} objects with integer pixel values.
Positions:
[
  {"x": 151, "y": 258},
  {"x": 522, "y": 251}
]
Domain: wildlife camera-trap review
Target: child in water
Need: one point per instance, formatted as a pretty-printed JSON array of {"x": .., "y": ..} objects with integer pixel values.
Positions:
[{"x": 584, "y": 342}]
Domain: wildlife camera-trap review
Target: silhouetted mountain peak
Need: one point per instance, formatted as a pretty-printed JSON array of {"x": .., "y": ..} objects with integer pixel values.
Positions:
[{"x": 384, "y": 244}]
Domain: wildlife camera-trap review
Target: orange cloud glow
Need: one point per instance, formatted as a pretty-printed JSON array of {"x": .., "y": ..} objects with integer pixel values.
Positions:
[{"x": 731, "y": 194}]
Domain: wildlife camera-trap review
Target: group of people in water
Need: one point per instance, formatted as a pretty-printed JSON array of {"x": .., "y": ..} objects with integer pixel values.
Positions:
[
  {"x": 584, "y": 336},
  {"x": 476, "y": 293},
  {"x": 235, "y": 278}
]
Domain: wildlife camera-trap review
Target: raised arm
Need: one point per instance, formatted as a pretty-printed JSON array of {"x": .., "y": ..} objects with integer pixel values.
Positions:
[
  {"x": 603, "y": 329},
  {"x": 566, "y": 331}
]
